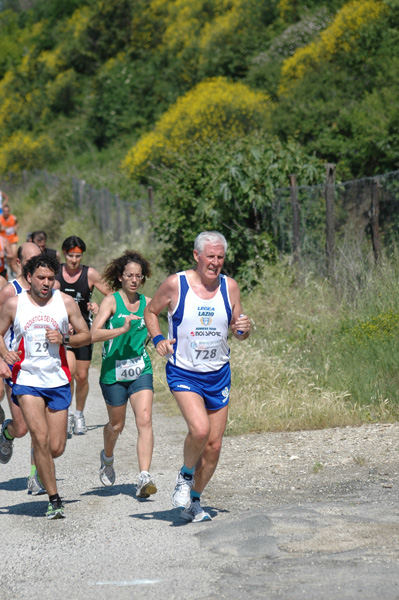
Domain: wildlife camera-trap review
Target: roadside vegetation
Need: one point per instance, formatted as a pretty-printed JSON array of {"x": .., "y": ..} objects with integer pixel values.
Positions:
[{"x": 215, "y": 104}]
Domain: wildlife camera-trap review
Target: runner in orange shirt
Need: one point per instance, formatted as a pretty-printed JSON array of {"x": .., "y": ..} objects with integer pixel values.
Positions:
[{"x": 8, "y": 229}]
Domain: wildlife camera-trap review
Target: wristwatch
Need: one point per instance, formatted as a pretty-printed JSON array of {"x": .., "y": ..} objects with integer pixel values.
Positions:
[{"x": 65, "y": 339}]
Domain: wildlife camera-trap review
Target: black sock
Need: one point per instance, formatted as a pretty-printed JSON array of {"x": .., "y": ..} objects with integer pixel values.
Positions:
[{"x": 55, "y": 498}]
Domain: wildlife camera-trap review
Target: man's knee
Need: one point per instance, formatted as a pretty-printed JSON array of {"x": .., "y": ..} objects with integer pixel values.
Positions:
[
  {"x": 82, "y": 378},
  {"x": 200, "y": 432},
  {"x": 214, "y": 448},
  {"x": 115, "y": 428},
  {"x": 19, "y": 428},
  {"x": 57, "y": 449}
]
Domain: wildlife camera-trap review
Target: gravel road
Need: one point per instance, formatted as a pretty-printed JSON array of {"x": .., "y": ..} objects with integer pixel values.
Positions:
[{"x": 295, "y": 515}]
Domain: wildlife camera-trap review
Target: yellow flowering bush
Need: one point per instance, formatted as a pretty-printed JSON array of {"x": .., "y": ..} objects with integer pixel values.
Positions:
[
  {"x": 340, "y": 36},
  {"x": 222, "y": 30},
  {"x": 214, "y": 109},
  {"x": 78, "y": 22},
  {"x": 25, "y": 151},
  {"x": 51, "y": 60},
  {"x": 192, "y": 23}
]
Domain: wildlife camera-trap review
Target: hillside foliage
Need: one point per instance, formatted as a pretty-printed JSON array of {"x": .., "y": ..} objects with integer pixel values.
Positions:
[
  {"x": 147, "y": 87},
  {"x": 86, "y": 72}
]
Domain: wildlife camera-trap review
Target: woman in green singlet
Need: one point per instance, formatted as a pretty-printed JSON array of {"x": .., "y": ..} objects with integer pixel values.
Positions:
[{"x": 126, "y": 371}]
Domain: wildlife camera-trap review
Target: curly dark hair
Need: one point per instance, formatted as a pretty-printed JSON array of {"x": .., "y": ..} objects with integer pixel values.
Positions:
[
  {"x": 115, "y": 268},
  {"x": 41, "y": 260}
]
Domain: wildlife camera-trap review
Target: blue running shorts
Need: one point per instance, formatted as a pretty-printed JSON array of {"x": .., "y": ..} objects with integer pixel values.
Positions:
[
  {"x": 118, "y": 393},
  {"x": 213, "y": 386},
  {"x": 58, "y": 398}
]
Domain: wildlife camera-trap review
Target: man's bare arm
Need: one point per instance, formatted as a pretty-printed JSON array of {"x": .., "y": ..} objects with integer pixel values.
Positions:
[
  {"x": 7, "y": 316},
  {"x": 164, "y": 297},
  {"x": 81, "y": 337},
  {"x": 239, "y": 321}
]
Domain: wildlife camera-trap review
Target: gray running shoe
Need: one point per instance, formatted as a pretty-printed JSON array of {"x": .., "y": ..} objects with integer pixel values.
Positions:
[
  {"x": 195, "y": 513},
  {"x": 181, "y": 495},
  {"x": 5, "y": 445},
  {"x": 107, "y": 473},
  {"x": 70, "y": 426},
  {"x": 2, "y": 415},
  {"x": 55, "y": 510},
  {"x": 35, "y": 486},
  {"x": 146, "y": 485},
  {"x": 80, "y": 426}
]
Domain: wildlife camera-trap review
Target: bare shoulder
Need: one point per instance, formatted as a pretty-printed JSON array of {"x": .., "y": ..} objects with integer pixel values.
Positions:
[
  {"x": 10, "y": 304},
  {"x": 108, "y": 302},
  {"x": 69, "y": 302},
  {"x": 166, "y": 294},
  {"x": 6, "y": 292},
  {"x": 168, "y": 285},
  {"x": 232, "y": 285},
  {"x": 93, "y": 275}
]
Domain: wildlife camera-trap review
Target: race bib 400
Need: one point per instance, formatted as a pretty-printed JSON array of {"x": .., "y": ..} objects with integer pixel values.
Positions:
[{"x": 129, "y": 369}]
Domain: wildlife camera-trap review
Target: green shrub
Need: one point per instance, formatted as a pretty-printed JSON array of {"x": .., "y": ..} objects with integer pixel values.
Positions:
[{"x": 227, "y": 186}]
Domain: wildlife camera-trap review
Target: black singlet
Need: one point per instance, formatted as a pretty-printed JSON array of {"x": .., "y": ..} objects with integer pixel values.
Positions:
[{"x": 79, "y": 290}]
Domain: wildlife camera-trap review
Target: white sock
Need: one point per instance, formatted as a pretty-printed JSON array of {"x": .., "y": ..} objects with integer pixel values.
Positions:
[{"x": 108, "y": 459}]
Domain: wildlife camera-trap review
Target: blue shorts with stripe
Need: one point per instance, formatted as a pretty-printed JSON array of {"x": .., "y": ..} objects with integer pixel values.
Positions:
[
  {"x": 58, "y": 398},
  {"x": 212, "y": 386}
]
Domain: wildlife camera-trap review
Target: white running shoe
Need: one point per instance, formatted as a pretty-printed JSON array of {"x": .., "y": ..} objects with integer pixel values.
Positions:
[
  {"x": 35, "y": 486},
  {"x": 107, "y": 473},
  {"x": 71, "y": 424},
  {"x": 146, "y": 486},
  {"x": 195, "y": 513},
  {"x": 80, "y": 425},
  {"x": 5, "y": 444},
  {"x": 181, "y": 495}
]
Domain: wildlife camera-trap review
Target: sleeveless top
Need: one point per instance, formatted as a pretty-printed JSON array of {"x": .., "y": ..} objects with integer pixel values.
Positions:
[
  {"x": 125, "y": 357},
  {"x": 2, "y": 256},
  {"x": 79, "y": 290},
  {"x": 50, "y": 252},
  {"x": 41, "y": 364},
  {"x": 9, "y": 225},
  {"x": 9, "y": 334},
  {"x": 200, "y": 328}
]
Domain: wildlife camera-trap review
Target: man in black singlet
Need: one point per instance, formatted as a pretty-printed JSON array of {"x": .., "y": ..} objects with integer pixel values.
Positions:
[
  {"x": 39, "y": 238},
  {"x": 78, "y": 281}
]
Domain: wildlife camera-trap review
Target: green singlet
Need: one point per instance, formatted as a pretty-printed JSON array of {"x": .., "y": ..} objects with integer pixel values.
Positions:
[{"x": 125, "y": 357}]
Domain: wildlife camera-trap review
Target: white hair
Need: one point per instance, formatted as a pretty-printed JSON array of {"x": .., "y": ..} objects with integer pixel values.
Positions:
[{"x": 209, "y": 237}]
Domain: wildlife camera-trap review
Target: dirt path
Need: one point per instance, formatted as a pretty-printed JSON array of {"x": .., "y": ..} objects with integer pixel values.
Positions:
[{"x": 295, "y": 515}]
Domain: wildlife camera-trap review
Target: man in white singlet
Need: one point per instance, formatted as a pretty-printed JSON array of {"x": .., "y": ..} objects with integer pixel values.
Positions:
[
  {"x": 17, "y": 426},
  {"x": 202, "y": 305},
  {"x": 40, "y": 319}
]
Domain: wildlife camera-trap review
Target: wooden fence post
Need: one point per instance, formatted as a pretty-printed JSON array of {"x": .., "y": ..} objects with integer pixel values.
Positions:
[
  {"x": 150, "y": 197},
  {"x": 128, "y": 222},
  {"x": 330, "y": 225},
  {"x": 81, "y": 193},
  {"x": 118, "y": 225},
  {"x": 375, "y": 213},
  {"x": 295, "y": 220}
]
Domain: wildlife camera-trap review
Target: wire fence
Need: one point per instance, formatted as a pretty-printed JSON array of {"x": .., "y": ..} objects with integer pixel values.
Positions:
[
  {"x": 107, "y": 210},
  {"x": 307, "y": 221},
  {"x": 365, "y": 209}
]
